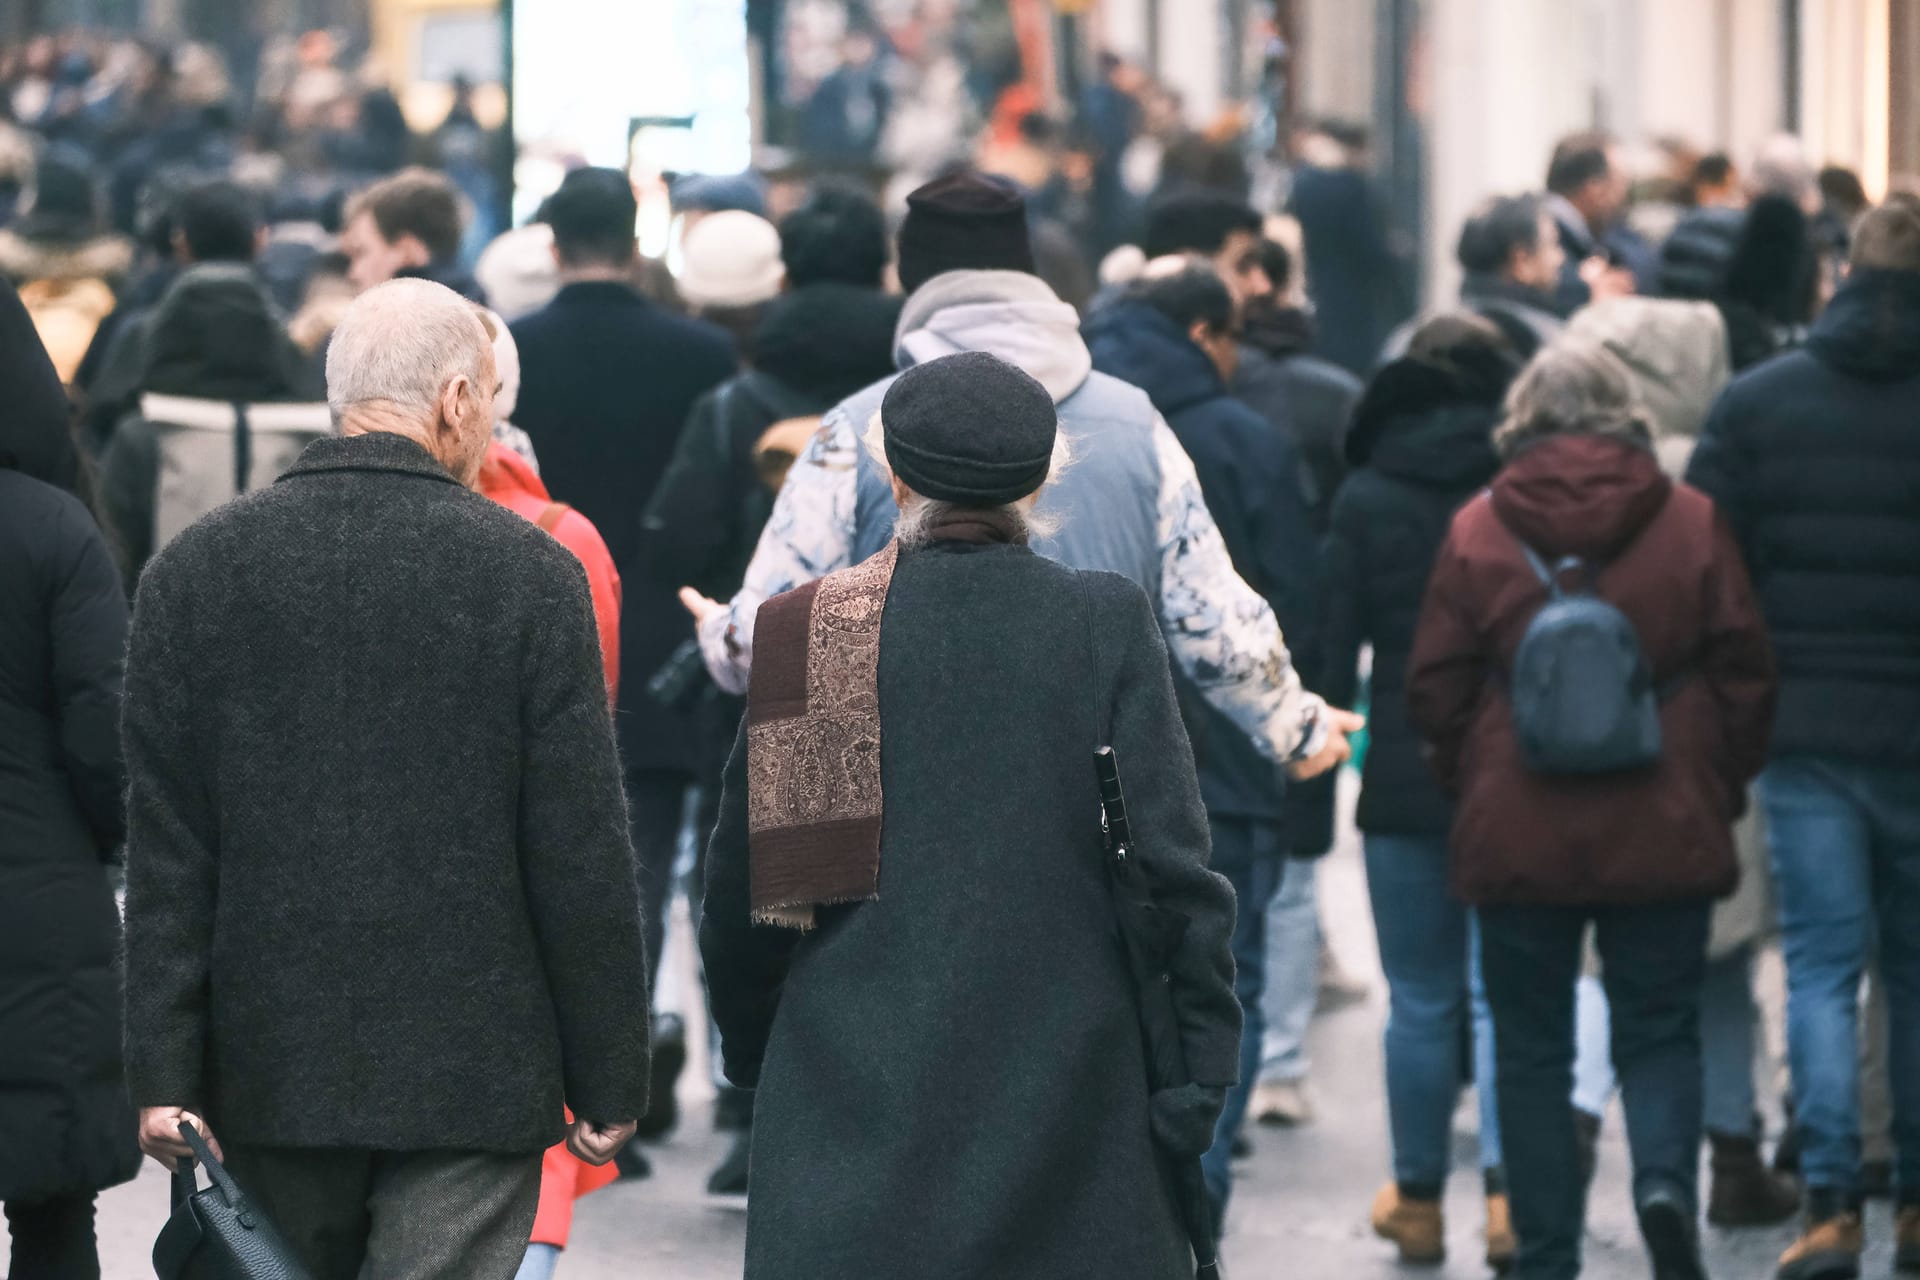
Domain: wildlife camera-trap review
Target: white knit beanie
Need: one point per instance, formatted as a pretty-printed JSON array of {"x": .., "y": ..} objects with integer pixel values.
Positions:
[{"x": 730, "y": 259}]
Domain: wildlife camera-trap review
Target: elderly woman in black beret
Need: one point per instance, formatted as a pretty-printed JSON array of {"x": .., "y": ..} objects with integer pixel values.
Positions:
[{"x": 909, "y": 933}]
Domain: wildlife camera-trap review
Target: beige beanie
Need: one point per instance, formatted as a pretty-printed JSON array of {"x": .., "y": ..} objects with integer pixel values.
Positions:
[{"x": 730, "y": 259}]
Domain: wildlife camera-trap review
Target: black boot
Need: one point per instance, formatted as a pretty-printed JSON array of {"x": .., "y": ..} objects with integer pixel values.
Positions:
[
  {"x": 730, "y": 1177},
  {"x": 1586, "y": 1134},
  {"x": 1745, "y": 1192},
  {"x": 1673, "y": 1240},
  {"x": 669, "y": 1056}
]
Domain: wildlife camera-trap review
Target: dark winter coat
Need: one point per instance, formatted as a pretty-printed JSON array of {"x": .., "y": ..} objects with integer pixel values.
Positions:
[
  {"x": 815, "y": 347},
  {"x": 1670, "y": 564},
  {"x": 607, "y": 382},
  {"x": 1814, "y": 457},
  {"x": 1308, "y": 398},
  {"x": 215, "y": 337},
  {"x": 1249, "y": 475},
  {"x": 1353, "y": 277},
  {"x": 379, "y": 889},
  {"x": 65, "y": 1123},
  {"x": 950, "y": 1077},
  {"x": 1420, "y": 447},
  {"x": 1694, "y": 258}
]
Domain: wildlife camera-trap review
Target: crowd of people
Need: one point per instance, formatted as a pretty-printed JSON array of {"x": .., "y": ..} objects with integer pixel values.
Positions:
[{"x": 464, "y": 584}]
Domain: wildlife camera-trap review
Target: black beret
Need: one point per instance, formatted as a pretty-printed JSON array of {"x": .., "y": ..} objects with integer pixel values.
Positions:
[
  {"x": 969, "y": 429},
  {"x": 965, "y": 221}
]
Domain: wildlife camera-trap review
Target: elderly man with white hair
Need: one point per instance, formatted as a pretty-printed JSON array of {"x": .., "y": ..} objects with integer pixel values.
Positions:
[{"x": 382, "y": 921}]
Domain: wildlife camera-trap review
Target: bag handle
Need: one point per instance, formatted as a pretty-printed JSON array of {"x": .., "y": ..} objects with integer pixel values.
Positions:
[{"x": 229, "y": 1189}]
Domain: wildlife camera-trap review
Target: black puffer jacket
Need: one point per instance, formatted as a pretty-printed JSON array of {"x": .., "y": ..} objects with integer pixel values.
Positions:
[
  {"x": 65, "y": 1123},
  {"x": 1308, "y": 398},
  {"x": 216, "y": 336},
  {"x": 1814, "y": 457},
  {"x": 1420, "y": 447}
]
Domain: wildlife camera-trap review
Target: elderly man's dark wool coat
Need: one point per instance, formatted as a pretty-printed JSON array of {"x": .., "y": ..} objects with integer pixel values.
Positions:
[
  {"x": 950, "y": 1076},
  {"x": 380, "y": 893}
]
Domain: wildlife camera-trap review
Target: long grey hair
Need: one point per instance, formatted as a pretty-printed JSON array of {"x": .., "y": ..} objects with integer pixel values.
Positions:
[
  {"x": 920, "y": 516},
  {"x": 1572, "y": 387}
]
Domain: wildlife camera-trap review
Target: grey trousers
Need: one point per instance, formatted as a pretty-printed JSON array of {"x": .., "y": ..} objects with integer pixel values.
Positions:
[{"x": 395, "y": 1215}]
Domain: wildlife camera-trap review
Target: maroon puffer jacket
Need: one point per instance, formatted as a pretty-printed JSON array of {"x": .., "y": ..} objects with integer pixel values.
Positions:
[{"x": 1671, "y": 565}]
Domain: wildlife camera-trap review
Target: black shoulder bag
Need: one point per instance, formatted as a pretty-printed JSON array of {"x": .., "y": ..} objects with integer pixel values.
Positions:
[
  {"x": 1149, "y": 934},
  {"x": 217, "y": 1233}
]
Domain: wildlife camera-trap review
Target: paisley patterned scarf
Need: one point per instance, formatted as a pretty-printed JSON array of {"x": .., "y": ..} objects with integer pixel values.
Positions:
[{"x": 813, "y": 734}]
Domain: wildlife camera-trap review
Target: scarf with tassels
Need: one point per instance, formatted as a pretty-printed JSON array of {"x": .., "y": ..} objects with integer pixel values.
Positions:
[{"x": 813, "y": 734}]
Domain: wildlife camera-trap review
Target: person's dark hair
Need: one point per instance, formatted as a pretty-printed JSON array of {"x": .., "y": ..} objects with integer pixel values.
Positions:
[
  {"x": 1474, "y": 353},
  {"x": 1494, "y": 230},
  {"x": 1773, "y": 267},
  {"x": 219, "y": 220},
  {"x": 593, "y": 215},
  {"x": 1195, "y": 162},
  {"x": 1840, "y": 187},
  {"x": 416, "y": 202},
  {"x": 1351, "y": 134},
  {"x": 1888, "y": 238},
  {"x": 1196, "y": 222},
  {"x": 1577, "y": 161},
  {"x": 1194, "y": 294},
  {"x": 1712, "y": 170},
  {"x": 1277, "y": 262},
  {"x": 1040, "y": 129},
  {"x": 837, "y": 235}
]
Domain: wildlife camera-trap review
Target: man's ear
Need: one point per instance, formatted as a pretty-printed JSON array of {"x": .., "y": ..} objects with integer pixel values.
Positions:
[
  {"x": 414, "y": 249},
  {"x": 1200, "y": 334}
]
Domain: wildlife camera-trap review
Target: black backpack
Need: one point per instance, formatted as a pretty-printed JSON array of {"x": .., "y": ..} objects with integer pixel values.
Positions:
[{"x": 1584, "y": 700}]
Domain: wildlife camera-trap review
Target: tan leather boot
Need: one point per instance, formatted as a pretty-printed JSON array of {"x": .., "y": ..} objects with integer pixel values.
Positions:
[
  {"x": 1827, "y": 1250},
  {"x": 1414, "y": 1225},
  {"x": 1906, "y": 1239},
  {"x": 1502, "y": 1244}
]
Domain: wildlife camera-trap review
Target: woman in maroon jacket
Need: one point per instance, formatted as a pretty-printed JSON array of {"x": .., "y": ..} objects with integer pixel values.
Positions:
[{"x": 1639, "y": 854}]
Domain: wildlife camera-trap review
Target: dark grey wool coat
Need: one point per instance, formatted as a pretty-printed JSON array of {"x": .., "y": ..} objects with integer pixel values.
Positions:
[
  {"x": 379, "y": 887},
  {"x": 950, "y": 1077}
]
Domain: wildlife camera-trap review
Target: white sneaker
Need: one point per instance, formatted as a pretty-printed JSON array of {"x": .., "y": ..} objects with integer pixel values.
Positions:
[{"x": 1282, "y": 1103}]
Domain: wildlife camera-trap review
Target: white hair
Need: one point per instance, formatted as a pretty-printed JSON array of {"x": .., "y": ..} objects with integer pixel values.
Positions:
[
  {"x": 400, "y": 343},
  {"x": 918, "y": 517}
]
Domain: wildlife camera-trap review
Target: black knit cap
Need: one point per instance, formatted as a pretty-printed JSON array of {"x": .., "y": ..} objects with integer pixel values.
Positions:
[
  {"x": 969, "y": 429},
  {"x": 965, "y": 221}
]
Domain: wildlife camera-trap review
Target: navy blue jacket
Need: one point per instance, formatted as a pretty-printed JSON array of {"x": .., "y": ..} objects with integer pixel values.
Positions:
[{"x": 1249, "y": 474}]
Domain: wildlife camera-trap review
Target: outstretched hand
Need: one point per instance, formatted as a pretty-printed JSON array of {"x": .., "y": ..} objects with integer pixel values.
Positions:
[
  {"x": 698, "y": 605},
  {"x": 1337, "y": 750}
]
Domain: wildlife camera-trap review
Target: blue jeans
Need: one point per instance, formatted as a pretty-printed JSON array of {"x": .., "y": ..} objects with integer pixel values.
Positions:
[
  {"x": 1293, "y": 972},
  {"x": 1251, "y": 855},
  {"x": 1729, "y": 1021},
  {"x": 1652, "y": 958},
  {"x": 539, "y": 1263},
  {"x": 1436, "y": 1007},
  {"x": 1845, "y": 840}
]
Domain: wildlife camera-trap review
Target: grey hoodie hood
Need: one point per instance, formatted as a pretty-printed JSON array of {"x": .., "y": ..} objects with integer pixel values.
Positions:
[{"x": 1006, "y": 313}]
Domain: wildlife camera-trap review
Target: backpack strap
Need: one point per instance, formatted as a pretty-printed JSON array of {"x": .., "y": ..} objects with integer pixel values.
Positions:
[
  {"x": 550, "y": 518},
  {"x": 242, "y": 449}
]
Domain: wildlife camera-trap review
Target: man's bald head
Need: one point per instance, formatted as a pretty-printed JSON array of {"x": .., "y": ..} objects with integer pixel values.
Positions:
[{"x": 412, "y": 357}]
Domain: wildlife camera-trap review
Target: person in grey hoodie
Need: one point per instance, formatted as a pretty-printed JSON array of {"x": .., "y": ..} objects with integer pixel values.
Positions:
[{"x": 1131, "y": 503}]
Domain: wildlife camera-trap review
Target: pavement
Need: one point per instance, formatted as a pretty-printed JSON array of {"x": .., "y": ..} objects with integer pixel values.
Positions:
[{"x": 1300, "y": 1206}]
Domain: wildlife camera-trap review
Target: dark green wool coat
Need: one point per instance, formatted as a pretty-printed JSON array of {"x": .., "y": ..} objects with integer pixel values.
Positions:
[
  {"x": 379, "y": 890},
  {"x": 950, "y": 1077}
]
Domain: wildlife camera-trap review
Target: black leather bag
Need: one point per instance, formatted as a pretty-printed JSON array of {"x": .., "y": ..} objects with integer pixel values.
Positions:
[{"x": 217, "y": 1233}]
